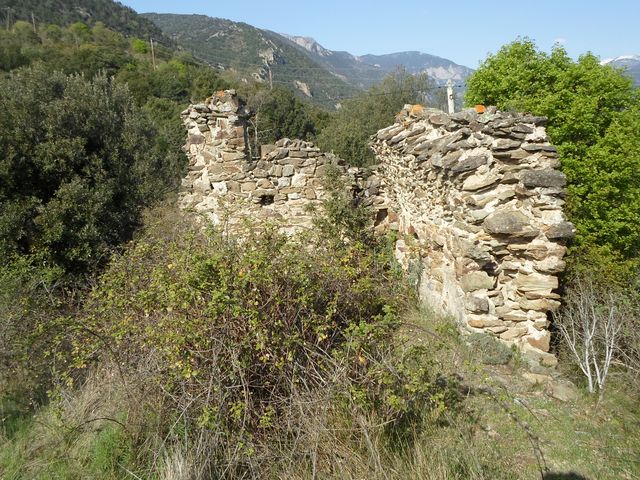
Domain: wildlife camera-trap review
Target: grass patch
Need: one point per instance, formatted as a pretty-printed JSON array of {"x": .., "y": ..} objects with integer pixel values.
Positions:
[
  {"x": 479, "y": 439},
  {"x": 488, "y": 350}
]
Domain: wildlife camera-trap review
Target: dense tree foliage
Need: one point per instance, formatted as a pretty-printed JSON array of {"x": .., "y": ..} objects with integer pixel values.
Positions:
[
  {"x": 348, "y": 132},
  {"x": 607, "y": 200},
  {"x": 77, "y": 164},
  {"x": 278, "y": 114},
  {"x": 98, "y": 50},
  {"x": 593, "y": 120},
  {"x": 88, "y": 136},
  {"x": 114, "y": 15}
]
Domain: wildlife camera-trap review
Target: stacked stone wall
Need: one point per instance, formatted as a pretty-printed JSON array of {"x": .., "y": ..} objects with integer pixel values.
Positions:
[
  {"x": 285, "y": 184},
  {"x": 479, "y": 199}
]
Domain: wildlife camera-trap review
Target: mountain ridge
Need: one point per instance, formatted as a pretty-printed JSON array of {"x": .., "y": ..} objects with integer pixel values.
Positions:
[
  {"x": 629, "y": 63},
  {"x": 371, "y": 68},
  {"x": 300, "y": 62},
  {"x": 253, "y": 54}
]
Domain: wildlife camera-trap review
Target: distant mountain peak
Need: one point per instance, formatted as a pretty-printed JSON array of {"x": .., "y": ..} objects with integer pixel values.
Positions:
[
  {"x": 249, "y": 53},
  {"x": 629, "y": 63},
  {"x": 621, "y": 58},
  {"x": 309, "y": 44},
  {"x": 296, "y": 61},
  {"x": 438, "y": 68}
]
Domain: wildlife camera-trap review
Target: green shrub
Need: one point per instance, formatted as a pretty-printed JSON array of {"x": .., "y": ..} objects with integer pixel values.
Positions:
[
  {"x": 232, "y": 333},
  {"x": 77, "y": 166},
  {"x": 30, "y": 294},
  {"x": 263, "y": 307},
  {"x": 139, "y": 46},
  {"x": 347, "y": 134}
]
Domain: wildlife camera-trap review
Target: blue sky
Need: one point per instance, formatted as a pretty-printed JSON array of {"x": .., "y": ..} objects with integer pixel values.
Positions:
[{"x": 464, "y": 31}]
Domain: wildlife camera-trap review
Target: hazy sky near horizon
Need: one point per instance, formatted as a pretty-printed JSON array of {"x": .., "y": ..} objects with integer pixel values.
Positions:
[{"x": 464, "y": 31}]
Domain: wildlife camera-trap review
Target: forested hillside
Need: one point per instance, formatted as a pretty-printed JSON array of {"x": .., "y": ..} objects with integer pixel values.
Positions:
[
  {"x": 254, "y": 54},
  {"x": 57, "y": 153},
  {"x": 112, "y": 14}
]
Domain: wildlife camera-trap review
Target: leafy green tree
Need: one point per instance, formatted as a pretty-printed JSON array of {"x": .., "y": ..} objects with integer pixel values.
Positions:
[
  {"x": 79, "y": 32},
  {"x": 92, "y": 60},
  {"x": 163, "y": 116},
  {"x": 579, "y": 98},
  {"x": 592, "y": 111},
  {"x": 139, "y": 46},
  {"x": 607, "y": 201},
  {"x": 77, "y": 165},
  {"x": 279, "y": 114},
  {"x": 53, "y": 33},
  {"x": 204, "y": 82},
  {"x": 103, "y": 36},
  {"x": 113, "y": 14},
  {"x": 24, "y": 33},
  {"x": 347, "y": 135},
  {"x": 11, "y": 55}
]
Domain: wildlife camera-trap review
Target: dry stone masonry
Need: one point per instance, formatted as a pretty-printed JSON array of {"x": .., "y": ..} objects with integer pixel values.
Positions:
[
  {"x": 480, "y": 200},
  {"x": 477, "y": 200},
  {"x": 229, "y": 186}
]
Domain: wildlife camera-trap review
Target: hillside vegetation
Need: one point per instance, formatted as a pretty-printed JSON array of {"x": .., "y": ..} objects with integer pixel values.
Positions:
[
  {"x": 250, "y": 53},
  {"x": 136, "y": 344},
  {"x": 112, "y": 14},
  {"x": 90, "y": 135}
]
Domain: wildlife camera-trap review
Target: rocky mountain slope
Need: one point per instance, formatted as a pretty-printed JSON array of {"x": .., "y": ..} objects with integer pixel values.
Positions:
[
  {"x": 342, "y": 64},
  {"x": 254, "y": 54},
  {"x": 324, "y": 75},
  {"x": 438, "y": 68},
  {"x": 366, "y": 70},
  {"x": 630, "y": 63}
]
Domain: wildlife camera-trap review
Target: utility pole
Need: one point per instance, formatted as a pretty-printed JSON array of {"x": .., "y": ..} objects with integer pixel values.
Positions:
[
  {"x": 153, "y": 55},
  {"x": 450, "y": 101}
]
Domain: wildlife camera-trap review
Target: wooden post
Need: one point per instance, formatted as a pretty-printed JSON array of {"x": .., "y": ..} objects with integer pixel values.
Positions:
[
  {"x": 33, "y": 21},
  {"x": 153, "y": 55},
  {"x": 450, "y": 101}
]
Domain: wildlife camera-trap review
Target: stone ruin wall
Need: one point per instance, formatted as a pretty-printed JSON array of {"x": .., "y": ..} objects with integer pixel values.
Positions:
[
  {"x": 228, "y": 186},
  {"x": 477, "y": 200},
  {"x": 480, "y": 200}
]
